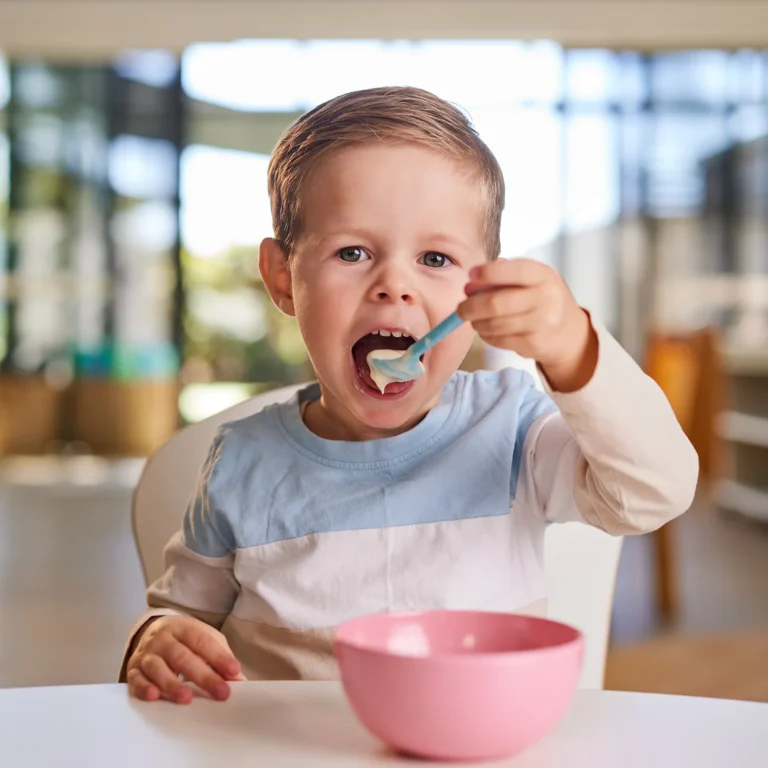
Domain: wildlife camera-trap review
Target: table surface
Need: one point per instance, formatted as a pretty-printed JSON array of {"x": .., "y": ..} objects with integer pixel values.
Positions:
[{"x": 298, "y": 724}]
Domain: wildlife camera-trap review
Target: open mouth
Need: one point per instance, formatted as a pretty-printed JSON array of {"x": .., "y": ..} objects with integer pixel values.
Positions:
[{"x": 382, "y": 339}]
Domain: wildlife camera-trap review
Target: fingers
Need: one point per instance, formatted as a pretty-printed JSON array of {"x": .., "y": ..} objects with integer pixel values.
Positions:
[
  {"x": 511, "y": 272},
  {"x": 211, "y": 648},
  {"x": 525, "y": 306},
  {"x": 500, "y": 303},
  {"x": 159, "y": 674},
  {"x": 140, "y": 687},
  {"x": 183, "y": 661},
  {"x": 529, "y": 321},
  {"x": 175, "y": 647},
  {"x": 506, "y": 325}
]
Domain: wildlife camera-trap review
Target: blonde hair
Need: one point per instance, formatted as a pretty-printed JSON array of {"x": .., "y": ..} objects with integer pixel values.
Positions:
[{"x": 391, "y": 115}]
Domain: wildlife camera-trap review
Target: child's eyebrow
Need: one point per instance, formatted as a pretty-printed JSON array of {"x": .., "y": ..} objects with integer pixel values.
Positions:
[
  {"x": 338, "y": 232},
  {"x": 442, "y": 237}
]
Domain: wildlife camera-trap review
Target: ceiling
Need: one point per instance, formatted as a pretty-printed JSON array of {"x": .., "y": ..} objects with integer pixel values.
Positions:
[{"x": 96, "y": 29}]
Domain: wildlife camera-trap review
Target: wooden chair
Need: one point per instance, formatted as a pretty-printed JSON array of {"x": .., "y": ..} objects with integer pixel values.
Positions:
[{"x": 687, "y": 368}]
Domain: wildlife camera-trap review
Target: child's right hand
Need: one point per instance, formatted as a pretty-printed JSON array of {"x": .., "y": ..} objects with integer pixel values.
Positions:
[{"x": 170, "y": 646}]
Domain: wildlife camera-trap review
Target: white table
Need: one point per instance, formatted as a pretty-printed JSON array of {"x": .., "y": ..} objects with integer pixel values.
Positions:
[{"x": 310, "y": 724}]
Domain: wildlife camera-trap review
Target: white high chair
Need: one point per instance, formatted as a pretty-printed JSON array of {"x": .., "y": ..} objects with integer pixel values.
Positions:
[{"x": 581, "y": 561}]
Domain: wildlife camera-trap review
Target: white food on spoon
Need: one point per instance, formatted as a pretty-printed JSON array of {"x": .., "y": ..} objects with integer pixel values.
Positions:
[{"x": 379, "y": 379}]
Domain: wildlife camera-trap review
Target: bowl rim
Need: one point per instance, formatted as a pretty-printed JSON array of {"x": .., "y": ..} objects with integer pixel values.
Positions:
[{"x": 457, "y": 656}]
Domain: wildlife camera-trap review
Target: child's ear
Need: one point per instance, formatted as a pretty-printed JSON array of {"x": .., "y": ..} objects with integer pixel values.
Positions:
[{"x": 276, "y": 275}]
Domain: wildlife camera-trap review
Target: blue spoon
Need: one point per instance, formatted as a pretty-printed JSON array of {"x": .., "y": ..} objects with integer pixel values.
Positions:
[{"x": 407, "y": 367}]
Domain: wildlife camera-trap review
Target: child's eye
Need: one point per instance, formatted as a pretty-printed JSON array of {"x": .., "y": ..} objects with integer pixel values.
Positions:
[
  {"x": 353, "y": 254},
  {"x": 434, "y": 260}
]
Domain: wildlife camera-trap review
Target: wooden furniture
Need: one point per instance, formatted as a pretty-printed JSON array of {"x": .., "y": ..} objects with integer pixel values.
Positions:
[
  {"x": 728, "y": 665},
  {"x": 30, "y": 414},
  {"x": 310, "y": 724},
  {"x": 124, "y": 418},
  {"x": 735, "y": 253},
  {"x": 743, "y": 427},
  {"x": 688, "y": 369}
]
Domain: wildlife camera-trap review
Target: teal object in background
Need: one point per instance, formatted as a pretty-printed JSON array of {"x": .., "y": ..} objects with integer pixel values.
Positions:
[
  {"x": 126, "y": 362},
  {"x": 93, "y": 363}
]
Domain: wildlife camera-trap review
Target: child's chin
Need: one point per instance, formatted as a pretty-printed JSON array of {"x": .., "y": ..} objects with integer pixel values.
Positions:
[{"x": 391, "y": 415}]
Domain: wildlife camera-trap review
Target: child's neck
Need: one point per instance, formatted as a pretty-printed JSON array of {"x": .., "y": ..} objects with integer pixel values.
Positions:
[{"x": 321, "y": 418}]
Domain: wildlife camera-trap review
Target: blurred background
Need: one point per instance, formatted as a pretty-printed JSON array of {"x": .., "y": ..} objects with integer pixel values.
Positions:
[{"x": 134, "y": 141}]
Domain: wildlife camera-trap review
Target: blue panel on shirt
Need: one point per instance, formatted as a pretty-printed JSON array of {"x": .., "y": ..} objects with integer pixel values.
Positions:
[
  {"x": 271, "y": 480},
  {"x": 207, "y": 528},
  {"x": 533, "y": 407}
]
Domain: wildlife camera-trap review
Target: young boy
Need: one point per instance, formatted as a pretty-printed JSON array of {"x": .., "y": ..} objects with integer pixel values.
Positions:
[{"x": 436, "y": 494}]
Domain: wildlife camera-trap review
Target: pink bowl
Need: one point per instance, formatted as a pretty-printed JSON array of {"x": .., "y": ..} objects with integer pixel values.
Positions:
[{"x": 458, "y": 685}]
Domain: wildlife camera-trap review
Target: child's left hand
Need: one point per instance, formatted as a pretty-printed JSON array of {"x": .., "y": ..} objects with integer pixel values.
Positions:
[{"x": 525, "y": 306}]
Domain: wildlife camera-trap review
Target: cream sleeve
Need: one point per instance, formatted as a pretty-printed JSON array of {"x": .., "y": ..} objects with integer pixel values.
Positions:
[
  {"x": 613, "y": 455},
  {"x": 199, "y": 578}
]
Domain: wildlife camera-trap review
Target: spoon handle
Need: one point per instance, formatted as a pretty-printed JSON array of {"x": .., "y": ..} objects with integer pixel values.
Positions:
[{"x": 438, "y": 333}]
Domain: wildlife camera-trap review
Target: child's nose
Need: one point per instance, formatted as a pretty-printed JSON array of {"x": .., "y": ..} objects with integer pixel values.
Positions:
[
  {"x": 392, "y": 286},
  {"x": 394, "y": 296}
]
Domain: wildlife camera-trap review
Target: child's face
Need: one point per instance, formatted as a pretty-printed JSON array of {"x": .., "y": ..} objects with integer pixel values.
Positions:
[{"x": 388, "y": 236}]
